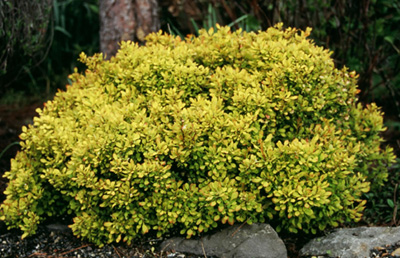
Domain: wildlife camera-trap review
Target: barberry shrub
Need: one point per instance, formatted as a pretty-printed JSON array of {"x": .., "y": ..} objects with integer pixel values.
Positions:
[{"x": 186, "y": 135}]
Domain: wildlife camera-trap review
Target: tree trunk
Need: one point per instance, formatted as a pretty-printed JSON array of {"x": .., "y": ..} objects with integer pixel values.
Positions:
[
  {"x": 147, "y": 16},
  {"x": 122, "y": 20}
]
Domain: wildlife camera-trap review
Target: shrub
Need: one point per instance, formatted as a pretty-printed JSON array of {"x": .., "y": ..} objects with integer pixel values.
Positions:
[{"x": 187, "y": 135}]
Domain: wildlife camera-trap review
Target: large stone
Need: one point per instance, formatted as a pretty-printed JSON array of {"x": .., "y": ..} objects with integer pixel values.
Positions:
[
  {"x": 256, "y": 241},
  {"x": 351, "y": 242}
]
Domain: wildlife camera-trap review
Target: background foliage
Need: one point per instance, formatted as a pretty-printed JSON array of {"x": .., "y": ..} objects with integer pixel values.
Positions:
[
  {"x": 23, "y": 41},
  {"x": 38, "y": 54},
  {"x": 41, "y": 42}
]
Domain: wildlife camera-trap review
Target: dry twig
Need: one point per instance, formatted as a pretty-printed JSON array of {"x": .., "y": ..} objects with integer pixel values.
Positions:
[{"x": 202, "y": 247}]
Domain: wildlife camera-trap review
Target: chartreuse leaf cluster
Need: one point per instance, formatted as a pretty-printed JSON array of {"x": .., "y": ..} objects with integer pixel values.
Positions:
[{"x": 187, "y": 135}]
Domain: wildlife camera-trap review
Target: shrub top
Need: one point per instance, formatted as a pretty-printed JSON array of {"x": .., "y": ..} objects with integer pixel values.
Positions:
[{"x": 190, "y": 134}]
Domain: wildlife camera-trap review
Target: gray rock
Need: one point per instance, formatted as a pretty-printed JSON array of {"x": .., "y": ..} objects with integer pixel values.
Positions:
[
  {"x": 351, "y": 242},
  {"x": 247, "y": 241}
]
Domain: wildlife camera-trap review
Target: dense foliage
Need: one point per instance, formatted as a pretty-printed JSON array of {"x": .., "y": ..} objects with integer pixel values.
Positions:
[
  {"x": 187, "y": 135},
  {"x": 364, "y": 35}
]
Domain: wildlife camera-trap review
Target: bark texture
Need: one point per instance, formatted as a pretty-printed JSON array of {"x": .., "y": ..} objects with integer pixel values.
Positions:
[
  {"x": 147, "y": 16},
  {"x": 122, "y": 20}
]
